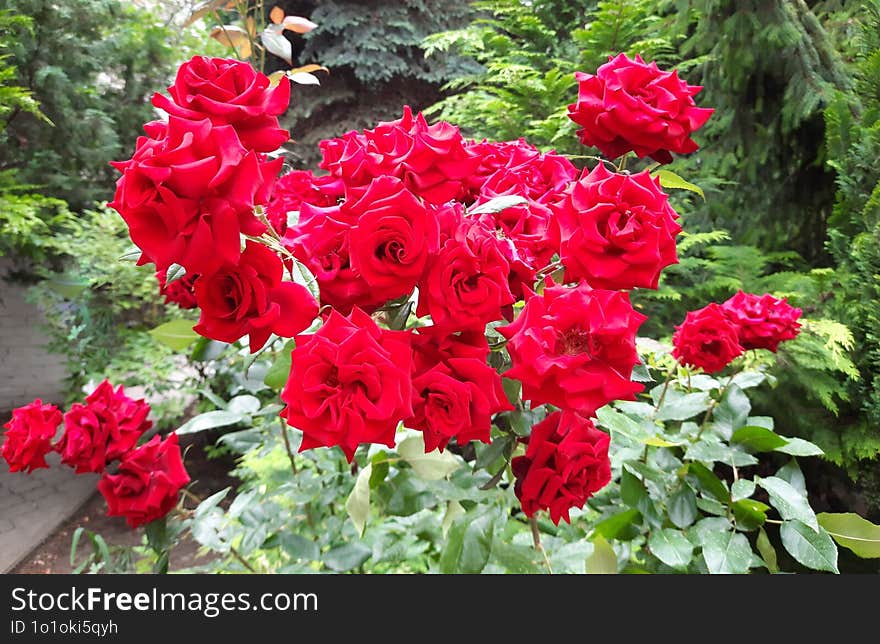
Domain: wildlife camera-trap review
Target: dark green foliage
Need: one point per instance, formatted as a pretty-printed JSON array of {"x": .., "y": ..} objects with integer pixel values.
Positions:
[{"x": 92, "y": 65}]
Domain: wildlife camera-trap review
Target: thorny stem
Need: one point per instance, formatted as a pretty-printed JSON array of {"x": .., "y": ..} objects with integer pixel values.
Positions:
[
  {"x": 289, "y": 451},
  {"x": 536, "y": 539}
]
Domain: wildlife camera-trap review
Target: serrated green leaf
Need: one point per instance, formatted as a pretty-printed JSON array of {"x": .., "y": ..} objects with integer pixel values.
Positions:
[
  {"x": 669, "y": 179},
  {"x": 613, "y": 525},
  {"x": 133, "y": 254},
  {"x": 682, "y": 507},
  {"x": 758, "y": 439},
  {"x": 211, "y": 502},
  {"x": 800, "y": 447},
  {"x": 298, "y": 547},
  {"x": 853, "y": 532},
  {"x": 469, "y": 543},
  {"x": 791, "y": 473},
  {"x": 347, "y": 556},
  {"x": 358, "y": 503},
  {"x": 277, "y": 374},
  {"x": 731, "y": 412},
  {"x": 768, "y": 552},
  {"x": 174, "y": 273},
  {"x": 678, "y": 406},
  {"x": 811, "y": 548},
  {"x": 789, "y": 502},
  {"x": 176, "y": 334},
  {"x": 490, "y": 453},
  {"x": 709, "y": 482},
  {"x": 671, "y": 547},
  {"x": 727, "y": 553},
  {"x": 517, "y": 559}
]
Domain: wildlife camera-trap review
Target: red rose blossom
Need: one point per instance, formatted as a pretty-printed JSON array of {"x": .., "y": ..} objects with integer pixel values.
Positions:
[
  {"x": 83, "y": 445},
  {"x": 763, "y": 320},
  {"x": 189, "y": 192},
  {"x": 565, "y": 464},
  {"x": 455, "y": 393},
  {"x": 349, "y": 383},
  {"x": 540, "y": 173},
  {"x": 180, "y": 291},
  {"x": 392, "y": 238},
  {"x": 618, "y": 231},
  {"x": 124, "y": 419},
  {"x": 147, "y": 483},
  {"x": 466, "y": 285},
  {"x": 321, "y": 240},
  {"x": 298, "y": 187},
  {"x": 431, "y": 160},
  {"x": 230, "y": 92},
  {"x": 250, "y": 299},
  {"x": 29, "y": 435},
  {"x": 707, "y": 339},
  {"x": 575, "y": 348},
  {"x": 630, "y": 105}
]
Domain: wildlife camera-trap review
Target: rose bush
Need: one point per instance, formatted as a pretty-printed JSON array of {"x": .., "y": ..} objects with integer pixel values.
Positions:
[{"x": 454, "y": 316}]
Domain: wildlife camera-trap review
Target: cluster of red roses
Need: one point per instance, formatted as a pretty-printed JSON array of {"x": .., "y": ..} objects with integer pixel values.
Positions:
[
  {"x": 104, "y": 428},
  {"x": 472, "y": 228},
  {"x": 715, "y": 335}
]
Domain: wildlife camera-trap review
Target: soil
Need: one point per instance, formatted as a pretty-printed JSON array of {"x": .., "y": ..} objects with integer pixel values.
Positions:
[{"x": 209, "y": 475}]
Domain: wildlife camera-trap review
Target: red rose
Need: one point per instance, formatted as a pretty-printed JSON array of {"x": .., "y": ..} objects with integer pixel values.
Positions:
[
  {"x": 349, "y": 384},
  {"x": 230, "y": 92},
  {"x": 540, "y": 173},
  {"x": 466, "y": 285},
  {"x": 575, "y": 348},
  {"x": 189, "y": 192},
  {"x": 321, "y": 240},
  {"x": 298, "y": 187},
  {"x": 392, "y": 239},
  {"x": 123, "y": 418},
  {"x": 146, "y": 486},
  {"x": 250, "y": 299},
  {"x": 631, "y": 105},
  {"x": 707, "y": 338},
  {"x": 618, "y": 231},
  {"x": 454, "y": 396},
  {"x": 565, "y": 464},
  {"x": 431, "y": 160},
  {"x": 29, "y": 435},
  {"x": 83, "y": 445},
  {"x": 180, "y": 291},
  {"x": 763, "y": 320}
]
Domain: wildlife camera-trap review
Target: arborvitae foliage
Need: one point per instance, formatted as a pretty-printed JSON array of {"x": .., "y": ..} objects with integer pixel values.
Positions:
[
  {"x": 91, "y": 65},
  {"x": 373, "y": 50},
  {"x": 853, "y": 139}
]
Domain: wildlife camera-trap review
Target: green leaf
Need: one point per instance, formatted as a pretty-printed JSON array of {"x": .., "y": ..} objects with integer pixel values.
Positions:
[
  {"x": 711, "y": 483},
  {"x": 854, "y": 532},
  {"x": 791, "y": 473},
  {"x": 174, "y": 273},
  {"x": 512, "y": 389},
  {"x": 432, "y": 466},
  {"x": 677, "y": 406},
  {"x": 682, "y": 507},
  {"x": 612, "y": 526},
  {"x": 710, "y": 450},
  {"x": 133, "y": 254},
  {"x": 298, "y": 546},
  {"x": 632, "y": 490},
  {"x": 570, "y": 558},
  {"x": 800, "y": 447},
  {"x": 732, "y": 411},
  {"x": 490, "y": 453},
  {"x": 347, "y": 556},
  {"x": 209, "y": 420},
  {"x": 768, "y": 552},
  {"x": 177, "y": 334},
  {"x": 469, "y": 543},
  {"x": 67, "y": 286},
  {"x": 497, "y": 204},
  {"x": 789, "y": 502},
  {"x": 453, "y": 511},
  {"x": 211, "y": 502},
  {"x": 380, "y": 467},
  {"x": 517, "y": 559},
  {"x": 749, "y": 514},
  {"x": 244, "y": 404},
  {"x": 617, "y": 422},
  {"x": 727, "y": 553},
  {"x": 814, "y": 549},
  {"x": 758, "y": 439},
  {"x": 742, "y": 489},
  {"x": 358, "y": 503},
  {"x": 669, "y": 179},
  {"x": 671, "y": 547},
  {"x": 277, "y": 374},
  {"x": 603, "y": 561}
]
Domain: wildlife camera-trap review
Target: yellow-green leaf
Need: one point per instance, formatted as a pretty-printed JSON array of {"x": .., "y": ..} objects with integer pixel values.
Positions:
[
  {"x": 177, "y": 334},
  {"x": 603, "y": 561},
  {"x": 852, "y": 531},
  {"x": 669, "y": 179},
  {"x": 358, "y": 503}
]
